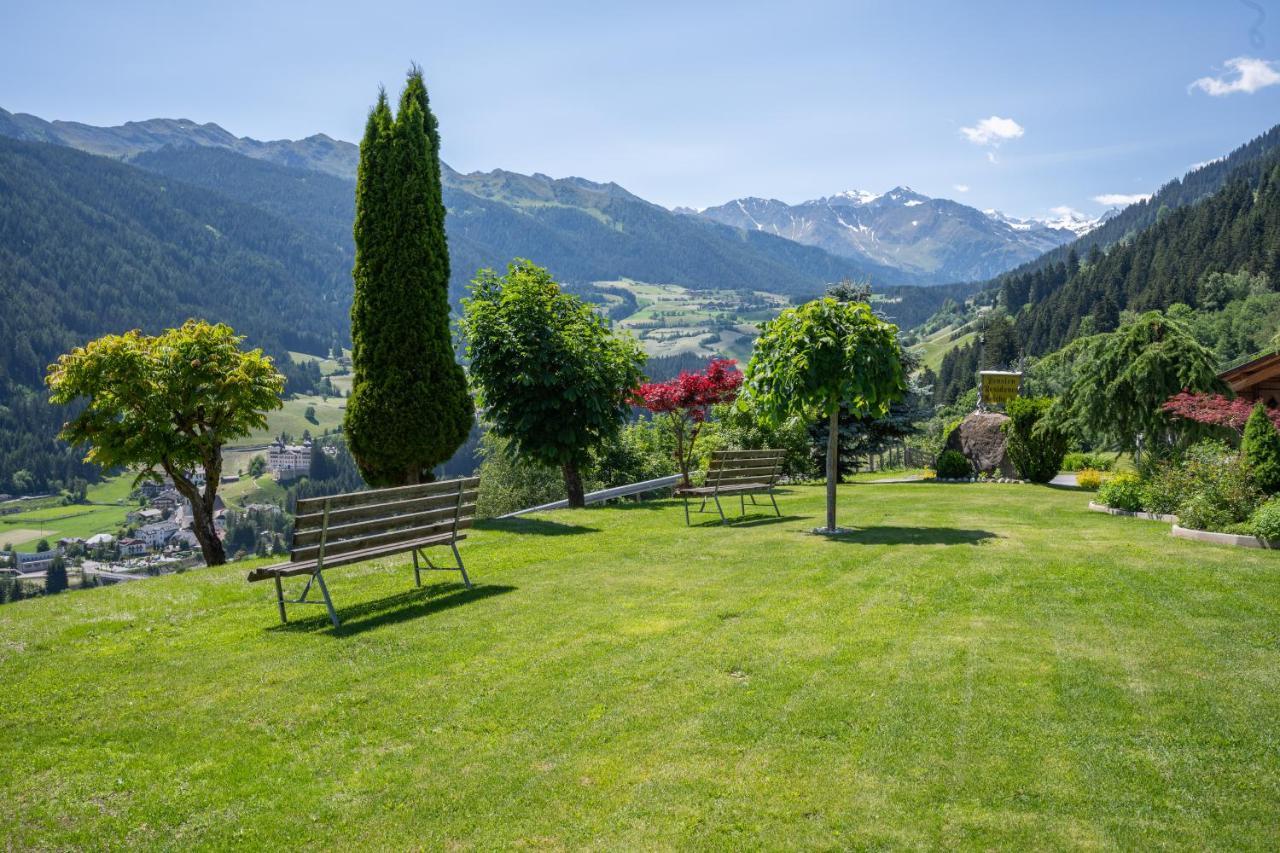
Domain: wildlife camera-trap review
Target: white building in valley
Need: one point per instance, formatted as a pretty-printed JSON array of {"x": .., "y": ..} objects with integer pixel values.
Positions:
[{"x": 286, "y": 461}]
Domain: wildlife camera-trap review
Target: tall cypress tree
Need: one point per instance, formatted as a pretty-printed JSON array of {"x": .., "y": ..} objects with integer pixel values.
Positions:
[{"x": 409, "y": 409}]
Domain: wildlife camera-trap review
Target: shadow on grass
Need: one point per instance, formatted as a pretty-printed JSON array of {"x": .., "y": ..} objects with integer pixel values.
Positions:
[
  {"x": 748, "y": 520},
  {"x": 392, "y": 609},
  {"x": 888, "y": 535},
  {"x": 534, "y": 527}
]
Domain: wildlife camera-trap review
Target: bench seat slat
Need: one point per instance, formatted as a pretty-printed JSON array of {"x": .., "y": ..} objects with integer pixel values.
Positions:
[
  {"x": 306, "y": 567},
  {"x": 381, "y": 509},
  {"x": 398, "y": 493},
  {"x": 711, "y": 490},
  {"x": 383, "y": 524},
  {"x": 360, "y": 543}
]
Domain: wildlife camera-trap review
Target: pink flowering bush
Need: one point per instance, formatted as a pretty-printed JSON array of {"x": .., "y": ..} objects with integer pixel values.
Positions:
[{"x": 1215, "y": 410}]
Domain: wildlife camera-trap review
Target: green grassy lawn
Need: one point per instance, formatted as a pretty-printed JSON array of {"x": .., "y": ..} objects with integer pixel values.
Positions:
[
  {"x": 935, "y": 347},
  {"x": 978, "y": 666}
]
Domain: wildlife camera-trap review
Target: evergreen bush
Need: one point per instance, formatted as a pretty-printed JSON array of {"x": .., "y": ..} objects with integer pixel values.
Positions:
[
  {"x": 1261, "y": 450},
  {"x": 952, "y": 465},
  {"x": 1036, "y": 445}
]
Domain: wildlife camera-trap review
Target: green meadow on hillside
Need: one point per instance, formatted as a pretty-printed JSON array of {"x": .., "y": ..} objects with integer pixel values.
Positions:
[{"x": 976, "y": 666}]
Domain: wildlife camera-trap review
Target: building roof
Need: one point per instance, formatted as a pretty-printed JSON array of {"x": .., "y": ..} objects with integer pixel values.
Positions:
[{"x": 1251, "y": 373}]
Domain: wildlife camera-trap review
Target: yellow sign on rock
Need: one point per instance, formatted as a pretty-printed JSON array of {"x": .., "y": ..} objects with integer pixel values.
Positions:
[{"x": 999, "y": 386}]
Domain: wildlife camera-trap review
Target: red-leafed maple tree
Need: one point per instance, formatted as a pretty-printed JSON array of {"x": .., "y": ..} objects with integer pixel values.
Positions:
[
  {"x": 1215, "y": 409},
  {"x": 686, "y": 402}
]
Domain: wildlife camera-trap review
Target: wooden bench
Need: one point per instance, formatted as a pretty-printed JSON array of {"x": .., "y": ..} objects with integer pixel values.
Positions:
[
  {"x": 343, "y": 529},
  {"x": 745, "y": 473}
]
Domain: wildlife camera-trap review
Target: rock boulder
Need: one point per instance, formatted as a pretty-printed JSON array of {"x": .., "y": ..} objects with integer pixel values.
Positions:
[{"x": 980, "y": 438}]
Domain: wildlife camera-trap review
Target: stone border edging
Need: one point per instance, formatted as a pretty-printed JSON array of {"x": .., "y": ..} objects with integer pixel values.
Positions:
[
  {"x": 1005, "y": 480},
  {"x": 1235, "y": 539},
  {"x": 1147, "y": 516}
]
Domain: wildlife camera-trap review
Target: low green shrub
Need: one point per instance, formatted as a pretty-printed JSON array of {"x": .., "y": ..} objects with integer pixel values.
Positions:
[
  {"x": 1123, "y": 491},
  {"x": 1265, "y": 522},
  {"x": 1036, "y": 443},
  {"x": 1217, "y": 489},
  {"x": 1077, "y": 461},
  {"x": 952, "y": 465},
  {"x": 1089, "y": 478}
]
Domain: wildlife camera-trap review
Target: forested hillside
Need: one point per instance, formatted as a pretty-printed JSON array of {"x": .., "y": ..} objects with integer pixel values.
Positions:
[
  {"x": 1174, "y": 260},
  {"x": 89, "y": 246},
  {"x": 1247, "y": 161}
]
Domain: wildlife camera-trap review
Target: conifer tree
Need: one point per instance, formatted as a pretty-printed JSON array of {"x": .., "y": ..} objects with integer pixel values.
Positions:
[
  {"x": 1261, "y": 450},
  {"x": 409, "y": 409}
]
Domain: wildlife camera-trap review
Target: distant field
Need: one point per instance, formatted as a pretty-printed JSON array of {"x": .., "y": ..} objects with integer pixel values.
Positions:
[
  {"x": 105, "y": 512},
  {"x": 674, "y": 320},
  {"x": 936, "y": 346}
]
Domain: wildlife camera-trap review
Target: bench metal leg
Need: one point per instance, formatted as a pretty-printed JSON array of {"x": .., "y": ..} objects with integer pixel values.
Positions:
[
  {"x": 280, "y": 600},
  {"x": 686, "y": 510},
  {"x": 723, "y": 520},
  {"x": 432, "y": 567},
  {"x": 775, "y": 505},
  {"x": 328, "y": 602}
]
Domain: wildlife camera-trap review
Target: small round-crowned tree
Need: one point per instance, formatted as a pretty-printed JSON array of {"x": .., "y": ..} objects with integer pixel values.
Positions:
[
  {"x": 818, "y": 358},
  {"x": 685, "y": 403},
  {"x": 168, "y": 403},
  {"x": 551, "y": 377}
]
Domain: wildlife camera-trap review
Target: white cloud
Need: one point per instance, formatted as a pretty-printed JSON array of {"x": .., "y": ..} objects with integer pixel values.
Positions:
[
  {"x": 1066, "y": 212},
  {"x": 1204, "y": 163},
  {"x": 1121, "y": 199},
  {"x": 991, "y": 157},
  {"x": 992, "y": 131},
  {"x": 1250, "y": 76},
  {"x": 960, "y": 188}
]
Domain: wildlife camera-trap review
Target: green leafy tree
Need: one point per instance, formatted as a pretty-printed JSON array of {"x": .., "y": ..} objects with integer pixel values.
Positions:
[
  {"x": 818, "y": 358},
  {"x": 42, "y": 546},
  {"x": 168, "y": 403},
  {"x": 409, "y": 409},
  {"x": 1261, "y": 450},
  {"x": 1036, "y": 442},
  {"x": 551, "y": 377},
  {"x": 257, "y": 466},
  {"x": 1122, "y": 379}
]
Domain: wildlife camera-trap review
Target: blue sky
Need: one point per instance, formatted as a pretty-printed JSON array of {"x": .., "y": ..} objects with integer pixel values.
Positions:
[{"x": 696, "y": 103}]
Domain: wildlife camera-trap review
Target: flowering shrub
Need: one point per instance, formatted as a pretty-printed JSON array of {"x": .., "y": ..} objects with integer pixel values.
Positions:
[
  {"x": 1216, "y": 491},
  {"x": 686, "y": 403},
  {"x": 1089, "y": 478},
  {"x": 952, "y": 465},
  {"x": 1215, "y": 410},
  {"x": 1123, "y": 491}
]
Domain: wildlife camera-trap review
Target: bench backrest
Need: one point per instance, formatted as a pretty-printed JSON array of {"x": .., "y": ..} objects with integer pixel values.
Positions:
[
  {"x": 360, "y": 520},
  {"x": 744, "y": 467}
]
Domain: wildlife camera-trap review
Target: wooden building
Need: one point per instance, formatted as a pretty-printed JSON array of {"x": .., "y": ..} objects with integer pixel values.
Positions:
[{"x": 1256, "y": 380}]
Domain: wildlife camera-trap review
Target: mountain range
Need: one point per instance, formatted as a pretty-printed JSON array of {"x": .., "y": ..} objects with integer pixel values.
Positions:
[
  {"x": 898, "y": 237},
  {"x": 936, "y": 239}
]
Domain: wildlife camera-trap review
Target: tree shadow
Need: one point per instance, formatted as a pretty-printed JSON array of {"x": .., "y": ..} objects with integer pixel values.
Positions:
[
  {"x": 533, "y": 526},
  {"x": 890, "y": 535},
  {"x": 393, "y": 609}
]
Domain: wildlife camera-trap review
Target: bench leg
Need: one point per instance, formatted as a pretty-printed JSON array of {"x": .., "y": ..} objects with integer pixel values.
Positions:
[
  {"x": 466, "y": 580},
  {"x": 686, "y": 510},
  {"x": 775, "y": 505},
  {"x": 720, "y": 509},
  {"x": 742, "y": 501},
  {"x": 433, "y": 567},
  {"x": 328, "y": 602},
  {"x": 417, "y": 570},
  {"x": 280, "y": 600}
]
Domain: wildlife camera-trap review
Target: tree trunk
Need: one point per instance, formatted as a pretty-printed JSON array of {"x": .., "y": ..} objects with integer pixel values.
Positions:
[
  {"x": 573, "y": 485},
  {"x": 202, "y": 525},
  {"x": 833, "y": 467}
]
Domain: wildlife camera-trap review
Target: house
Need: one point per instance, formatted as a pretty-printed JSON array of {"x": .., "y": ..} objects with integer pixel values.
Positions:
[
  {"x": 38, "y": 562},
  {"x": 286, "y": 461},
  {"x": 184, "y": 540},
  {"x": 166, "y": 501},
  {"x": 151, "y": 488},
  {"x": 99, "y": 539},
  {"x": 145, "y": 516},
  {"x": 132, "y": 547},
  {"x": 1256, "y": 380},
  {"x": 68, "y": 542},
  {"x": 157, "y": 534}
]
